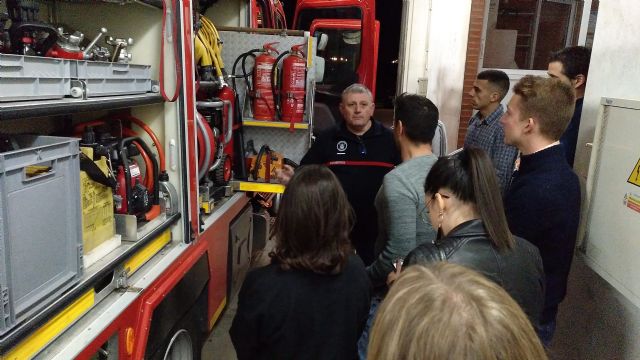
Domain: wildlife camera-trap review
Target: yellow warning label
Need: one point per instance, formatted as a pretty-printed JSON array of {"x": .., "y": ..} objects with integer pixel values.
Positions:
[{"x": 634, "y": 178}]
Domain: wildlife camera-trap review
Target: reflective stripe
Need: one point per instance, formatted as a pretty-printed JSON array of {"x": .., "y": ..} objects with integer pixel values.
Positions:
[{"x": 360, "y": 163}]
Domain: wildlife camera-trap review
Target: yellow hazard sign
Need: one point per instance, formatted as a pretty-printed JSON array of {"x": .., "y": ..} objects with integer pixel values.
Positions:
[{"x": 634, "y": 178}]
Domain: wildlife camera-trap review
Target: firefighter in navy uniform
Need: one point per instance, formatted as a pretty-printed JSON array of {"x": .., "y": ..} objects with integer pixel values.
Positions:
[{"x": 360, "y": 151}]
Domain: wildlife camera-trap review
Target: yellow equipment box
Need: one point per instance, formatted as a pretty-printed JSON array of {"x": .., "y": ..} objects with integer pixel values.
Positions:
[{"x": 98, "y": 222}]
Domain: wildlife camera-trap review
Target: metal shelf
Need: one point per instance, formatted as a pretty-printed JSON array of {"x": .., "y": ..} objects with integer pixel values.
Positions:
[
  {"x": 275, "y": 124},
  {"x": 27, "y": 109}
]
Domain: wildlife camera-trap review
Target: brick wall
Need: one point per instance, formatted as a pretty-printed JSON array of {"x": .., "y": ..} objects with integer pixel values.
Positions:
[{"x": 471, "y": 66}]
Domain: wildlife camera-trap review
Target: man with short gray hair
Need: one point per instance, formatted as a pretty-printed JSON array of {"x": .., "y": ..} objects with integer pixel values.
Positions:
[{"x": 360, "y": 151}]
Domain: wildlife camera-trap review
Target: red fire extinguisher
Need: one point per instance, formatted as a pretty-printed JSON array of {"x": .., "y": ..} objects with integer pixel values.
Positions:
[
  {"x": 263, "y": 103},
  {"x": 294, "y": 69}
]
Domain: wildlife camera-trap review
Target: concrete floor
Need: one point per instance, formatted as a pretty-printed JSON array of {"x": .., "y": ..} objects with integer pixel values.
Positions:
[{"x": 219, "y": 346}]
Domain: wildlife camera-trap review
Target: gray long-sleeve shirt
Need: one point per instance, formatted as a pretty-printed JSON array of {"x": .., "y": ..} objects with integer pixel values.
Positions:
[{"x": 402, "y": 220}]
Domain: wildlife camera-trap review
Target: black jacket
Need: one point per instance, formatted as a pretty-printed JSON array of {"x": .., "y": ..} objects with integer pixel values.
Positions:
[
  {"x": 519, "y": 271},
  {"x": 298, "y": 314}
]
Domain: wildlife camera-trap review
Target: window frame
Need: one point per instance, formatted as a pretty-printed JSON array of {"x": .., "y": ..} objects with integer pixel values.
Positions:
[{"x": 582, "y": 33}]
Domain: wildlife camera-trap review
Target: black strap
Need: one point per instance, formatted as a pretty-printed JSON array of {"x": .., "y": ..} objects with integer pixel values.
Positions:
[
  {"x": 291, "y": 163},
  {"x": 95, "y": 173},
  {"x": 264, "y": 149}
]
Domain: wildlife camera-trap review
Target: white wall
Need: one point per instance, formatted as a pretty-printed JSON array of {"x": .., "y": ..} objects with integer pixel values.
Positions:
[
  {"x": 614, "y": 67},
  {"x": 446, "y": 59},
  {"x": 413, "y": 45},
  {"x": 434, "y": 46},
  {"x": 596, "y": 321}
]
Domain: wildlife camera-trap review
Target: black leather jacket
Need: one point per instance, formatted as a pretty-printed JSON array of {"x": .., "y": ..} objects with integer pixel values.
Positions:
[{"x": 519, "y": 270}]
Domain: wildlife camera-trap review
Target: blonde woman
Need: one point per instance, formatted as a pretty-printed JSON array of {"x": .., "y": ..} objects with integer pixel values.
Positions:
[{"x": 447, "y": 311}]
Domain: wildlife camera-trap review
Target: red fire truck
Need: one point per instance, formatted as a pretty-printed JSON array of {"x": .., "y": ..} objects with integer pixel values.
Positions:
[
  {"x": 351, "y": 53},
  {"x": 158, "y": 293}
]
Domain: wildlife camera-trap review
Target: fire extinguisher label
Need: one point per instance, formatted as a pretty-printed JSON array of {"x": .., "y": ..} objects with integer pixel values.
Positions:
[
  {"x": 298, "y": 75},
  {"x": 263, "y": 73},
  {"x": 263, "y": 106}
]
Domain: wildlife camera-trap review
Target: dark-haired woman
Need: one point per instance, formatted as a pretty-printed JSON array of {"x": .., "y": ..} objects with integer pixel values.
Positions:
[
  {"x": 312, "y": 301},
  {"x": 464, "y": 203}
]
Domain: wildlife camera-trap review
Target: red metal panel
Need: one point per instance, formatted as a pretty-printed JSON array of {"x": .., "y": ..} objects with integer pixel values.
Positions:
[
  {"x": 125, "y": 320},
  {"x": 156, "y": 292},
  {"x": 138, "y": 314},
  {"x": 374, "y": 65},
  {"x": 190, "y": 105},
  {"x": 217, "y": 239},
  {"x": 335, "y": 24},
  {"x": 369, "y": 60}
]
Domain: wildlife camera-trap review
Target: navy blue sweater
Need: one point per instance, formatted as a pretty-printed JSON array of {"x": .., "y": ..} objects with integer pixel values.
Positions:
[
  {"x": 570, "y": 137},
  {"x": 543, "y": 207}
]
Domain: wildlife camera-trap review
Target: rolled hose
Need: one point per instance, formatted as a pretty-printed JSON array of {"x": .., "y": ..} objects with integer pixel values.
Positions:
[
  {"x": 211, "y": 137},
  {"x": 148, "y": 164},
  {"x": 200, "y": 143},
  {"x": 219, "y": 152},
  {"x": 153, "y": 137},
  {"x": 202, "y": 169}
]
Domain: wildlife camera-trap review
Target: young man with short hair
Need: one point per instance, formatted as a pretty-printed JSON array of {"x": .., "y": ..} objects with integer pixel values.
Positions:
[
  {"x": 542, "y": 203},
  {"x": 402, "y": 220},
  {"x": 485, "y": 130},
  {"x": 403, "y": 223},
  {"x": 571, "y": 66}
]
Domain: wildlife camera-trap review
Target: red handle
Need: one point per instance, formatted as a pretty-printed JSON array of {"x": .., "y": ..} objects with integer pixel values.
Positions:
[
  {"x": 269, "y": 47},
  {"x": 298, "y": 47}
]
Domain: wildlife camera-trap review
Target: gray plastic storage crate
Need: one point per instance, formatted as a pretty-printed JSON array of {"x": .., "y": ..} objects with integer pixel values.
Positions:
[
  {"x": 107, "y": 78},
  {"x": 33, "y": 77},
  {"x": 40, "y": 225}
]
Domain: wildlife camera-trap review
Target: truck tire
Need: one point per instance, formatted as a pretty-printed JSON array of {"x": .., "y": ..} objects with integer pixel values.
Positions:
[
  {"x": 179, "y": 323},
  {"x": 187, "y": 336},
  {"x": 180, "y": 347}
]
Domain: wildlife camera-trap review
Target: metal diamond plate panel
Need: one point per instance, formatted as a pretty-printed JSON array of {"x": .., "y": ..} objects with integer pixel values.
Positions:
[
  {"x": 292, "y": 145},
  {"x": 237, "y": 43}
]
